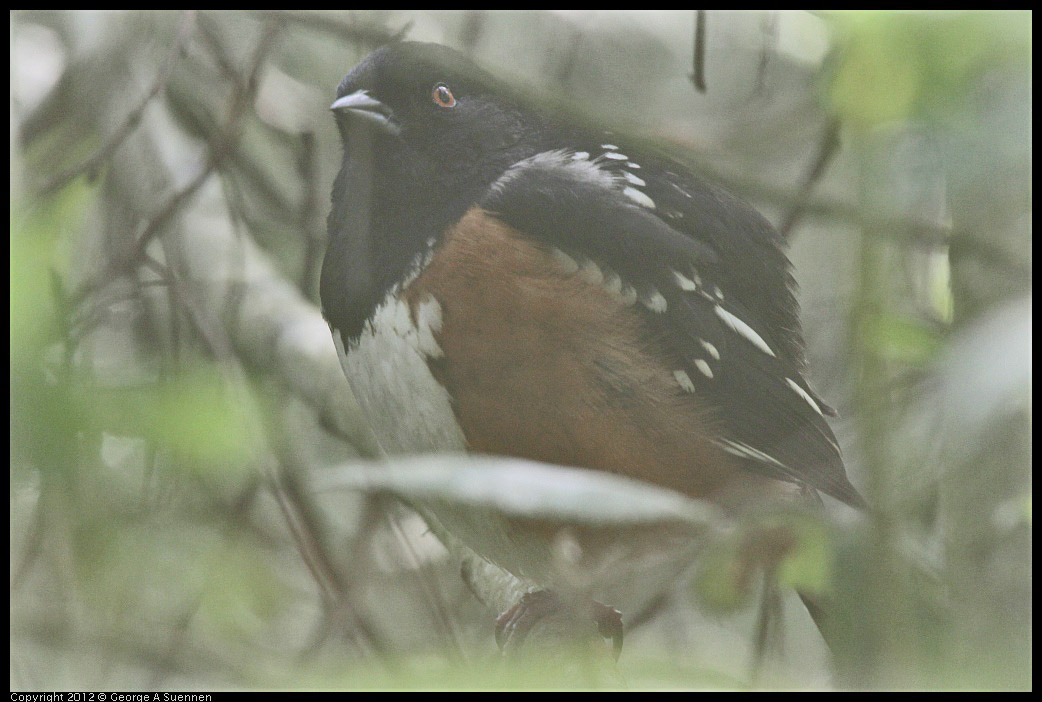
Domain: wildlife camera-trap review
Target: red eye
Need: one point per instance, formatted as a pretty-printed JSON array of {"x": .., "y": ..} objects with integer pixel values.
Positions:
[{"x": 442, "y": 96}]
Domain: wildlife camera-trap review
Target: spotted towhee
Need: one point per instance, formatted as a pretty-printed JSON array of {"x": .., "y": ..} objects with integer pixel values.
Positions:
[{"x": 500, "y": 281}]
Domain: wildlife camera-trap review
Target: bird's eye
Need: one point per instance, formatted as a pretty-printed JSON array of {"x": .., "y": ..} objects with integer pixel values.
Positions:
[{"x": 442, "y": 96}]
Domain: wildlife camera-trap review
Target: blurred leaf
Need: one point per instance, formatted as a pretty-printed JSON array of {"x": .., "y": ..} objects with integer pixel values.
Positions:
[
  {"x": 1013, "y": 513},
  {"x": 44, "y": 418},
  {"x": 878, "y": 78},
  {"x": 191, "y": 414},
  {"x": 939, "y": 294},
  {"x": 902, "y": 339},
  {"x": 897, "y": 597},
  {"x": 724, "y": 582},
  {"x": 921, "y": 65},
  {"x": 794, "y": 547},
  {"x": 807, "y": 566},
  {"x": 37, "y": 233},
  {"x": 201, "y": 421},
  {"x": 241, "y": 594},
  {"x": 526, "y": 488}
]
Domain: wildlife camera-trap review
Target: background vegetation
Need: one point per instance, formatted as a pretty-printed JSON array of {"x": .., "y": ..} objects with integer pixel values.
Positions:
[{"x": 176, "y": 400}]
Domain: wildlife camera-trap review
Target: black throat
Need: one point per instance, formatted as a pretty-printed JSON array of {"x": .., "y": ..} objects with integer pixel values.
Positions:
[
  {"x": 386, "y": 215},
  {"x": 391, "y": 205}
]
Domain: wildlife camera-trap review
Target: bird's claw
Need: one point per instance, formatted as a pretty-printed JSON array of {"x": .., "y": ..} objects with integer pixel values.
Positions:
[{"x": 514, "y": 625}]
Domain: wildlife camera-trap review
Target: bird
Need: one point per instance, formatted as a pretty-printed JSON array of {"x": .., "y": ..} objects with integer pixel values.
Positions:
[{"x": 501, "y": 280}]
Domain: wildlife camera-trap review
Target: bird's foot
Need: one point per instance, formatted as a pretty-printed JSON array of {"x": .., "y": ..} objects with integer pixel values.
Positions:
[
  {"x": 514, "y": 625},
  {"x": 609, "y": 624}
]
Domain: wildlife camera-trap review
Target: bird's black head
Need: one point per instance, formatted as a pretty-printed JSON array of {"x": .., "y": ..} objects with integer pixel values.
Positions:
[
  {"x": 425, "y": 132},
  {"x": 431, "y": 102}
]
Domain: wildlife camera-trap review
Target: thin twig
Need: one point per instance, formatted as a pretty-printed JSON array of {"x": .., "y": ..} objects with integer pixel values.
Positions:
[
  {"x": 222, "y": 143},
  {"x": 827, "y": 148},
  {"x": 175, "y": 317},
  {"x": 307, "y": 165},
  {"x": 767, "y": 50},
  {"x": 766, "y": 619},
  {"x": 178, "y": 640},
  {"x": 93, "y": 163},
  {"x": 31, "y": 549},
  {"x": 366, "y": 34},
  {"x": 434, "y": 597},
  {"x": 474, "y": 26},
  {"x": 304, "y": 521},
  {"x": 698, "y": 53},
  {"x": 563, "y": 69},
  {"x": 901, "y": 229}
]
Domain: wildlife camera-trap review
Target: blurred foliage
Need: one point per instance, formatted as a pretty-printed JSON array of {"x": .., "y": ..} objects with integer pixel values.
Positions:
[
  {"x": 896, "y": 67},
  {"x": 174, "y": 408},
  {"x": 791, "y": 549}
]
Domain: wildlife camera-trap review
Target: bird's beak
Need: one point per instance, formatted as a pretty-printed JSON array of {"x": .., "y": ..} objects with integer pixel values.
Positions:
[{"x": 361, "y": 104}]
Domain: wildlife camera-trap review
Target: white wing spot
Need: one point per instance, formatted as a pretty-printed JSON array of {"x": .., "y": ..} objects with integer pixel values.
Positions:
[
  {"x": 681, "y": 190},
  {"x": 710, "y": 349},
  {"x": 703, "y": 368},
  {"x": 684, "y": 380},
  {"x": 804, "y": 394},
  {"x": 615, "y": 156},
  {"x": 655, "y": 302},
  {"x": 737, "y": 448},
  {"x": 743, "y": 330},
  {"x": 718, "y": 292},
  {"x": 564, "y": 262},
  {"x": 583, "y": 169},
  {"x": 630, "y": 178},
  {"x": 580, "y": 155},
  {"x": 591, "y": 273},
  {"x": 613, "y": 284},
  {"x": 633, "y": 165},
  {"x": 628, "y": 295},
  {"x": 610, "y": 147},
  {"x": 684, "y": 282},
  {"x": 639, "y": 197}
]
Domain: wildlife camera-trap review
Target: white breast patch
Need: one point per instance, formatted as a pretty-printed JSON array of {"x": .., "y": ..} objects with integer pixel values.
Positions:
[{"x": 408, "y": 409}]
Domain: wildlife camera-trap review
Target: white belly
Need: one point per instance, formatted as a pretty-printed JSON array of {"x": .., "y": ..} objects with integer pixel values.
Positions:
[
  {"x": 411, "y": 413},
  {"x": 407, "y": 408}
]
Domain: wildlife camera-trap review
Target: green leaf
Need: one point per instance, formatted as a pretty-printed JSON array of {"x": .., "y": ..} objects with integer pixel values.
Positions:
[
  {"x": 38, "y": 236},
  {"x": 902, "y": 339},
  {"x": 898, "y": 66},
  {"x": 724, "y": 579},
  {"x": 794, "y": 547},
  {"x": 191, "y": 415},
  {"x": 808, "y": 564},
  {"x": 200, "y": 420}
]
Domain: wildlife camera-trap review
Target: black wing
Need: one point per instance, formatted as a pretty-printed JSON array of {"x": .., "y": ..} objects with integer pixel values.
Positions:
[{"x": 719, "y": 294}]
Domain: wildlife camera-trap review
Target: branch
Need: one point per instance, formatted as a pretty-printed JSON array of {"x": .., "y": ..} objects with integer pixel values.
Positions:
[
  {"x": 93, "y": 163},
  {"x": 826, "y": 151},
  {"x": 698, "y": 53},
  {"x": 369, "y": 35},
  {"x": 262, "y": 318},
  {"x": 902, "y": 229},
  {"x": 218, "y": 149}
]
